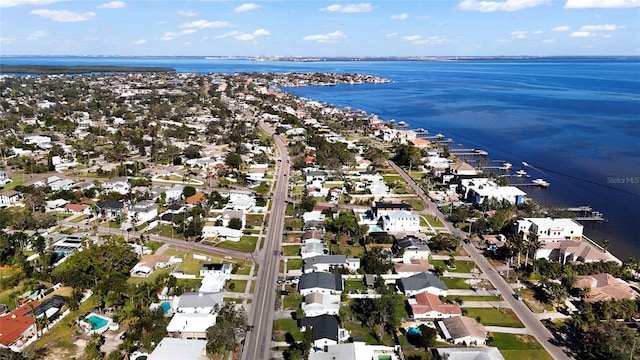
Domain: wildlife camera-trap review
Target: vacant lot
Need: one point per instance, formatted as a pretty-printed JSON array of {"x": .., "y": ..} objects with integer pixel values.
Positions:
[{"x": 519, "y": 347}]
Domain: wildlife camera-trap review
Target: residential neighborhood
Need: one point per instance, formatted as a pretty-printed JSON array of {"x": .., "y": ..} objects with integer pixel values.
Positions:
[{"x": 139, "y": 214}]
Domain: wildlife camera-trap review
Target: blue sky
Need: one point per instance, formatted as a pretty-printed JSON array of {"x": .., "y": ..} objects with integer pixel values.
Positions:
[{"x": 320, "y": 28}]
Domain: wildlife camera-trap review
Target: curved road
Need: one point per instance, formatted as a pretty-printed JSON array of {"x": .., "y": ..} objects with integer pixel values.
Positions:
[
  {"x": 257, "y": 343},
  {"x": 528, "y": 318}
]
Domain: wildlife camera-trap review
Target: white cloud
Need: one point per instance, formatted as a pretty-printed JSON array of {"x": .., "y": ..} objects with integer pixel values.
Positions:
[
  {"x": 508, "y": 5},
  {"x": 394, "y": 34},
  {"x": 37, "y": 35},
  {"x": 246, "y": 7},
  {"x": 581, "y": 34},
  {"x": 204, "y": 24},
  {"x": 187, "y": 31},
  {"x": 113, "y": 5},
  {"x": 519, "y": 34},
  {"x": 187, "y": 13},
  {"x": 140, "y": 42},
  {"x": 349, "y": 8},
  {"x": 261, "y": 32},
  {"x": 549, "y": 41},
  {"x": 326, "y": 38},
  {"x": 419, "y": 40},
  {"x": 227, "y": 34},
  {"x": 12, "y": 3},
  {"x": 169, "y": 35},
  {"x": 63, "y": 15},
  {"x": 244, "y": 37},
  {"x": 537, "y": 32},
  {"x": 403, "y": 16},
  {"x": 561, "y": 28},
  {"x": 599, "y": 28},
  {"x": 601, "y": 4}
]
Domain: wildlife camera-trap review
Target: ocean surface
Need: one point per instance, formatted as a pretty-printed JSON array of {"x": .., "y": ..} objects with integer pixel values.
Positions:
[{"x": 575, "y": 121}]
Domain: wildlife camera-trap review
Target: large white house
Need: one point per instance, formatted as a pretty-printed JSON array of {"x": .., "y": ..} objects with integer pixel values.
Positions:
[
  {"x": 548, "y": 229},
  {"x": 478, "y": 190},
  {"x": 143, "y": 211},
  {"x": 400, "y": 221},
  {"x": 117, "y": 184}
]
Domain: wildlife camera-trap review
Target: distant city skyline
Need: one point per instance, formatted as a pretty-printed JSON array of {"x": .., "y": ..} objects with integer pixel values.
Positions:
[{"x": 320, "y": 28}]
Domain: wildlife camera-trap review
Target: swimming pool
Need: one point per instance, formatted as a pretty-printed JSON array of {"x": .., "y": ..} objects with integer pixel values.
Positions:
[
  {"x": 413, "y": 331},
  {"x": 96, "y": 322},
  {"x": 166, "y": 307}
]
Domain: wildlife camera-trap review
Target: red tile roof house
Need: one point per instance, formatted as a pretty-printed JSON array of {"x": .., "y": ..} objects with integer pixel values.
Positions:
[
  {"x": 17, "y": 327},
  {"x": 427, "y": 306},
  {"x": 78, "y": 209}
]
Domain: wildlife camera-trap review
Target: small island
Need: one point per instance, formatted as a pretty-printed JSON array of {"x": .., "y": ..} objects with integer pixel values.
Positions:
[{"x": 63, "y": 69}]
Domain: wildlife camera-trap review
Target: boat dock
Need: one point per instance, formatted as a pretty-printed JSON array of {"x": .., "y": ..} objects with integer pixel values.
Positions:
[
  {"x": 586, "y": 213},
  {"x": 468, "y": 152}
]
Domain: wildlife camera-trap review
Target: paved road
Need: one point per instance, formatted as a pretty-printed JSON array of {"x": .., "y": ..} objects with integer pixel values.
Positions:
[
  {"x": 258, "y": 340},
  {"x": 528, "y": 318}
]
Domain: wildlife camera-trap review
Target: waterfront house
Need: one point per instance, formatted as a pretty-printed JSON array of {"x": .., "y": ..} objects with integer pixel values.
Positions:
[
  {"x": 604, "y": 287},
  {"x": 478, "y": 190},
  {"x": 422, "y": 282},
  {"x": 548, "y": 229}
]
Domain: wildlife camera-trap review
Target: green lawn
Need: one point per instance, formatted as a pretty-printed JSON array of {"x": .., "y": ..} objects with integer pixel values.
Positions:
[
  {"x": 435, "y": 222},
  {"x": 293, "y": 224},
  {"x": 243, "y": 269},
  {"x": 238, "y": 286},
  {"x": 283, "y": 326},
  {"x": 292, "y": 301},
  {"x": 461, "y": 266},
  {"x": 294, "y": 264},
  {"x": 79, "y": 218},
  {"x": 472, "y": 298},
  {"x": 517, "y": 347},
  {"x": 455, "y": 283},
  {"x": 291, "y": 250},
  {"x": 246, "y": 244},
  {"x": 154, "y": 245},
  {"x": 354, "y": 284},
  {"x": 494, "y": 317},
  {"x": 254, "y": 219}
]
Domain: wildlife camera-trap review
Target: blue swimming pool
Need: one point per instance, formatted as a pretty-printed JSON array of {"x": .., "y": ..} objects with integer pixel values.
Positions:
[
  {"x": 166, "y": 307},
  {"x": 96, "y": 322},
  {"x": 413, "y": 331}
]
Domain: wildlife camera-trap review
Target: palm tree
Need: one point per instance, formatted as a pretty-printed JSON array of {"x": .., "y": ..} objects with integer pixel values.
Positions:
[{"x": 533, "y": 245}]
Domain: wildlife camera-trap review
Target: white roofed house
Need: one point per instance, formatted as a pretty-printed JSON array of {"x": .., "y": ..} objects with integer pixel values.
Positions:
[
  {"x": 548, "y": 229},
  {"x": 227, "y": 215},
  {"x": 191, "y": 325},
  {"x": 174, "y": 193},
  {"x": 478, "y": 190},
  {"x": 118, "y": 184},
  {"x": 324, "y": 263},
  {"x": 221, "y": 232},
  {"x": 400, "y": 221},
  {"x": 316, "y": 304},
  {"x": 199, "y": 302},
  {"x": 143, "y": 211}
]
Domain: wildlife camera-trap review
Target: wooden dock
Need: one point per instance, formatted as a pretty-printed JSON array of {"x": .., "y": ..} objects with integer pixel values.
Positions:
[{"x": 586, "y": 213}]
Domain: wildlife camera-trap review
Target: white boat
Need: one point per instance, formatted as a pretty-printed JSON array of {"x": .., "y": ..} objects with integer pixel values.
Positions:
[
  {"x": 524, "y": 163},
  {"x": 506, "y": 166},
  {"x": 402, "y": 123},
  {"x": 521, "y": 173},
  {"x": 541, "y": 182}
]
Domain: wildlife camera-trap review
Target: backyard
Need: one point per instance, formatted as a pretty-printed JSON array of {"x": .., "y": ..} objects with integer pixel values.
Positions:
[{"x": 519, "y": 347}]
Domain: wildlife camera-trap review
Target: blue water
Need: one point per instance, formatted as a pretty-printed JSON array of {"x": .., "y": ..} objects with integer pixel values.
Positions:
[
  {"x": 413, "y": 331},
  {"x": 576, "y": 121},
  {"x": 96, "y": 322},
  {"x": 166, "y": 307}
]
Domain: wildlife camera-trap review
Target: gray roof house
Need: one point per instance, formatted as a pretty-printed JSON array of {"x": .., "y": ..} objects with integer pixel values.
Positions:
[
  {"x": 321, "y": 282},
  {"x": 197, "y": 302},
  {"x": 422, "y": 282},
  {"x": 325, "y": 330}
]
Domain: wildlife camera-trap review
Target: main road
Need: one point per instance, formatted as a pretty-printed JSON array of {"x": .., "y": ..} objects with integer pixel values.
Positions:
[
  {"x": 528, "y": 318},
  {"x": 257, "y": 344}
]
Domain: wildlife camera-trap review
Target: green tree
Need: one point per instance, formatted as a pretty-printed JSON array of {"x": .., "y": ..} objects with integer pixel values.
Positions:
[
  {"x": 375, "y": 261},
  {"x": 233, "y": 160},
  {"x": 235, "y": 223},
  {"x": 226, "y": 333},
  {"x": 188, "y": 191}
]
